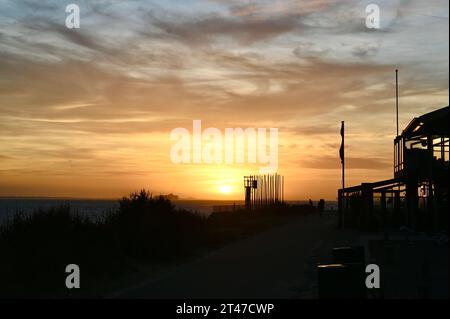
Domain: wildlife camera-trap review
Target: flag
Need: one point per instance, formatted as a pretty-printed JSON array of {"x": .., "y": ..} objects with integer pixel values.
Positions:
[{"x": 341, "y": 149}]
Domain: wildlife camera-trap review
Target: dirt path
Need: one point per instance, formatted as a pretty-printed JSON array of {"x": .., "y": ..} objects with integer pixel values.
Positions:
[{"x": 279, "y": 263}]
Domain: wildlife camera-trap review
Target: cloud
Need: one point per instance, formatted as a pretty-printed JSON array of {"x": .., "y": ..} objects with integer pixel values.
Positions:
[
  {"x": 106, "y": 96},
  {"x": 280, "y": 8},
  {"x": 330, "y": 162},
  {"x": 366, "y": 50},
  {"x": 213, "y": 27},
  {"x": 3, "y": 157}
]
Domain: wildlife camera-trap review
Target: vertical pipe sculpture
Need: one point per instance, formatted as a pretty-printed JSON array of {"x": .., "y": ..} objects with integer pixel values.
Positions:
[
  {"x": 263, "y": 190},
  {"x": 276, "y": 188},
  {"x": 247, "y": 187}
]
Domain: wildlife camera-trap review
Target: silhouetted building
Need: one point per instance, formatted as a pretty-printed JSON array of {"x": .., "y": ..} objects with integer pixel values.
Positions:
[{"x": 417, "y": 196}]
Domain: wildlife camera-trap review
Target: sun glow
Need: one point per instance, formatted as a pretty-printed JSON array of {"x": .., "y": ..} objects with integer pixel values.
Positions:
[{"x": 225, "y": 189}]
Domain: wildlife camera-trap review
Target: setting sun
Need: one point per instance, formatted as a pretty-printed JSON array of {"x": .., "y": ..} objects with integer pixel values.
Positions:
[{"x": 225, "y": 189}]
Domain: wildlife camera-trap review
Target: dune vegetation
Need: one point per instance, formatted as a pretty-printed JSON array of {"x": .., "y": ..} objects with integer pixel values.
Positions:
[{"x": 144, "y": 230}]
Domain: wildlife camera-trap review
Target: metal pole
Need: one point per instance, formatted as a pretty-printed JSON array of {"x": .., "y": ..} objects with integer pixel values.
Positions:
[
  {"x": 396, "y": 97},
  {"x": 343, "y": 174},
  {"x": 276, "y": 187}
]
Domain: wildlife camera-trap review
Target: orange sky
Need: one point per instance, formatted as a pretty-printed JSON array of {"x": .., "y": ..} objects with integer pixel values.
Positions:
[{"x": 88, "y": 112}]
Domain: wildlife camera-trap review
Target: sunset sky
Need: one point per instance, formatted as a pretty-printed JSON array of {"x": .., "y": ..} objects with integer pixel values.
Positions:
[{"x": 88, "y": 112}]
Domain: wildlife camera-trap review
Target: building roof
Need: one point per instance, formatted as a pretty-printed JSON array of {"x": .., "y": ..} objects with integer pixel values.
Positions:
[{"x": 433, "y": 123}]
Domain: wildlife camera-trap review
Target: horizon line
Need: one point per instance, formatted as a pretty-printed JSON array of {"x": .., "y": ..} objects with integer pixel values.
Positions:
[{"x": 118, "y": 198}]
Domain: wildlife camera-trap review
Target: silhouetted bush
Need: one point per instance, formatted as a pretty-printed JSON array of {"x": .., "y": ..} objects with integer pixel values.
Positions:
[
  {"x": 35, "y": 249},
  {"x": 150, "y": 228}
]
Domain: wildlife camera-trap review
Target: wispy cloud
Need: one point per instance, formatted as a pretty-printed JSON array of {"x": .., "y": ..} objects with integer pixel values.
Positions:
[{"x": 104, "y": 97}]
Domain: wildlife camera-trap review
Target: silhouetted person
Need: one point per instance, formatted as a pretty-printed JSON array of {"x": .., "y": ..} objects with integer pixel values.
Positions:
[{"x": 321, "y": 206}]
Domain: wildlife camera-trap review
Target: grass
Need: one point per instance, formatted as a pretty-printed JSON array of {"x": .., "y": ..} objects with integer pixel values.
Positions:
[{"x": 144, "y": 230}]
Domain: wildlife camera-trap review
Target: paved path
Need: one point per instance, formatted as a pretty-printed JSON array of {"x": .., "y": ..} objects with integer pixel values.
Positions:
[{"x": 279, "y": 263}]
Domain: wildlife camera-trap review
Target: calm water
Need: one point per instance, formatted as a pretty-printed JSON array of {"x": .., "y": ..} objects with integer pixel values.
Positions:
[
  {"x": 97, "y": 208},
  {"x": 93, "y": 208}
]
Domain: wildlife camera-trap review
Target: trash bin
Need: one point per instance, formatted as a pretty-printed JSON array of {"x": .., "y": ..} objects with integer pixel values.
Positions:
[{"x": 341, "y": 281}]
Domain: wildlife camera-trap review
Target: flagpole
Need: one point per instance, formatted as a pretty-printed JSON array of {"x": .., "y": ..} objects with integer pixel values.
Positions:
[
  {"x": 396, "y": 97},
  {"x": 343, "y": 173},
  {"x": 343, "y": 156}
]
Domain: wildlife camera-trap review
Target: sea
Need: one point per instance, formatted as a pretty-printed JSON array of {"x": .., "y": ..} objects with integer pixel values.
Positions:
[{"x": 98, "y": 208}]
